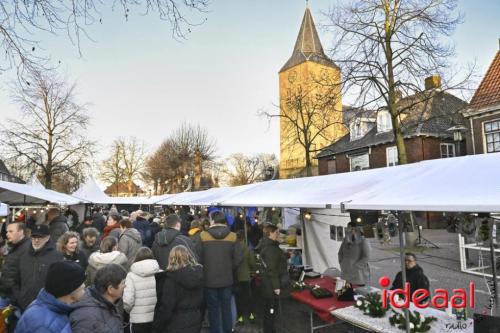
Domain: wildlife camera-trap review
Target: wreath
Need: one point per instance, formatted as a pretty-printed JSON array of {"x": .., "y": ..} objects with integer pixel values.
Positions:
[
  {"x": 418, "y": 323},
  {"x": 371, "y": 305}
]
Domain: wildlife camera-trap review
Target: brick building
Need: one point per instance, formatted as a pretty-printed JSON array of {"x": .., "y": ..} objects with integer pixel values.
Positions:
[
  {"x": 370, "y": 142},
  {"x": 483, "y": 113}
]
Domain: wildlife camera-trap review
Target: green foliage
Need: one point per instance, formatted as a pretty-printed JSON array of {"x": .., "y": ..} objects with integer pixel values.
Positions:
[
  {"x": 371, "y": 305},
  {"x": 418, "y": 323}
]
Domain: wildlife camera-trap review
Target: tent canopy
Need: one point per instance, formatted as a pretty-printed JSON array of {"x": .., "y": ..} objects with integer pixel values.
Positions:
[{"x": 21, "y": 194}]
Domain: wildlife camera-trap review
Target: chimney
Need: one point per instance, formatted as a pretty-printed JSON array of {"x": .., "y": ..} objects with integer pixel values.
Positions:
[{"x": 433, "y": 82}]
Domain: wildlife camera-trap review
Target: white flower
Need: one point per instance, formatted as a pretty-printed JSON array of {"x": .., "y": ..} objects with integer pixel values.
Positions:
[
  {"x": 358, "y": 303},
  {"x": 412, "y": 326}
]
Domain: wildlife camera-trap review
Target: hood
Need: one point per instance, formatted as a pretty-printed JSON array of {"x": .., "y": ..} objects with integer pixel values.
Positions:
[
  {"x": 193, "y": 231},
  {"x": 189, "y": 277},
  {"x": 98, "y": 259},
  {"x": 218, "y": 231},
  {"x": 132, "y": 233},
  {"x": 165, "y": 237},
  {"x": 54, "y": 305},
  {"x": 145, "y": 268}
]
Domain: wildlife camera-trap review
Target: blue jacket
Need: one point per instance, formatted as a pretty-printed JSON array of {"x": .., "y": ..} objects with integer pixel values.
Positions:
[
  {"x": 45, "y": 315},
  {"x": 144, "y": 228}
]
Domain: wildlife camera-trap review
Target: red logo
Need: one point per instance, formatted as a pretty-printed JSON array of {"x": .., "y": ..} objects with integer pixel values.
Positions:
[{"x": 422, "y": 298}]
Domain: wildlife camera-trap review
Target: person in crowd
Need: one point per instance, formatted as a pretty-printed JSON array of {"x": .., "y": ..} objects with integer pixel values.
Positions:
[
  {"x": 254, "y": 234},
  {"x": 143, "y": 226},
  {"x": 67, "y": 244},
  {"x": 98, "y": 220},
  {"x": 353, "y": 256},
  {"x": 18, "y": 244},
  {"x": 87, "y": 222},
  {"x": 96, "y": 311},
  {"x": 130, "y": 240},
  {"x": 33, "y": 265},
  {"x": 108, "y": 254},
  {"x": 156, "y": 226},
  {"x": 57, "y": 223},
  {"x": 238, "y": 223},
  {"x": 49, "y": 312},
  {"x": 171, "y": 236},
  {"x": 275, "y": 267},
  {"x": 244, "y": 300},
  {"x": 124, "y": 213},
  {"x": 414, "y": 276},
  {"x": 205, "y": 224},
  {"x": 113, "y": 226},
  {"x": 181, "y": 295},
  {"x": 195, "y": 229},
  {"x": 220, "y": 255},
  {"x": 72, "y": 219},
  {"x": 90, "y": 241},
  {"x": 139, "y": 297}
]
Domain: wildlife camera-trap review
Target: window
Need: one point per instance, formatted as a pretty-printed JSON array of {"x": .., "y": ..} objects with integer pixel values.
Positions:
[
  {"x": 447, "y": 150},
  {"x": 384, "y": 123},
  {"x": 392, "y": 156},
  {"x": 492, "y": 135},
  {"x": 332, "y": 166},
  {"x": 360, "y": 162}
]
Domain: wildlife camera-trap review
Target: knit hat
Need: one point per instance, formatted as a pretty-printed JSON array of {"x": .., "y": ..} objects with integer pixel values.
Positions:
[{"x": 64, "y": 277}]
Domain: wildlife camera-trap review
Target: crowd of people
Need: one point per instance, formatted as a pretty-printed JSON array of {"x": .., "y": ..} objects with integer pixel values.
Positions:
[{"x": 120, "y": 272}]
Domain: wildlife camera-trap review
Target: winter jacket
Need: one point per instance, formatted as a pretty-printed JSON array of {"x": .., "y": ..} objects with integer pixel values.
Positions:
[
  {"x": 98, "y": 260},
  {"x": 220, "y": 255},
  {"x": 57, "y": 227},
  {"x": 193, "y": 232},
  {"x": 166, "y": 240},
  {"x": 415, "y": 276},
  {"x": 33, "y": 267},
  {"x": 179, "y": 302},
  {"x": 98, "y": 222},
  {"x": 144, "y": 228},
  {"x": 10, "y": 266},
  {"x": 112, "y": 230},
  {"x": 247, "y": 265},
  {"x": 78, "y": 257},
  {"x": 275, "y": 263},
  {"x": 129, "y": 243},
  {"x": 353, "y": 257},
  {"x": 45, "y": 315},
  {"x": 139, "y": 297},
  {"x": 94, "y": 314},
  {"x": 89, "y": 250}
]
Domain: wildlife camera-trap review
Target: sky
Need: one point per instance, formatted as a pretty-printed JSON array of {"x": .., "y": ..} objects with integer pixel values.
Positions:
[{"x": 141, "y": 82}]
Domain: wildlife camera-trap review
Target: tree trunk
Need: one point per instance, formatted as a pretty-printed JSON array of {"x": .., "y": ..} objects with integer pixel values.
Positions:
[{"x": 308, "y": 164}]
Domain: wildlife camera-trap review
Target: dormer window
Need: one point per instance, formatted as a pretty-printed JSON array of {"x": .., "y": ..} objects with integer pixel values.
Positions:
[
  {"x": 384, "y": 123},
  {"x": 355, "y": 129}
]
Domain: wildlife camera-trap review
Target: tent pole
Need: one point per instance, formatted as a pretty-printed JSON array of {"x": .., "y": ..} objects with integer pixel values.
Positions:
[
  {"x": 245, "y": 225},
  {"x": 402, "y": 246},
  {"x": 493, "y": 232},
  {"x": 304, "y": 240}
]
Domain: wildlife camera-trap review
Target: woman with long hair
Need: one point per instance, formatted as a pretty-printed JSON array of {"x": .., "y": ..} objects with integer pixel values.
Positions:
[
  {"x": 180, "y": 299},
  {"x": 68, "y": 245},
  {"x": 108, "y": 254}
]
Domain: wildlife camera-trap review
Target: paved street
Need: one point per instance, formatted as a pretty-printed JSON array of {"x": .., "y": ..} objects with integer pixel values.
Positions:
[{"x": 442, "y": 266}]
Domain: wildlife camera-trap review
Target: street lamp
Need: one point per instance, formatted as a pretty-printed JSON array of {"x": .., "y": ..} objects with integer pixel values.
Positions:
[{"x": 457, "y": 131}]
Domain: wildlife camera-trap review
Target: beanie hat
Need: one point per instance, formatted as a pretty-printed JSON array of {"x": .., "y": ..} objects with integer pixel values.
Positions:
[{"x": 64, "y": 277}]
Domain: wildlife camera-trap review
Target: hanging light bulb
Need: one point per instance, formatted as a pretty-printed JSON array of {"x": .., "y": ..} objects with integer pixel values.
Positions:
[
  {"x": 308, "y": 215},
  {"x": 273, "y": 209},
  {"x": 241, "y": 216},
  {"x": 359, "y": 220},
  {"x": 256, "y": 220},
  {"x": 34, "y": 212}
]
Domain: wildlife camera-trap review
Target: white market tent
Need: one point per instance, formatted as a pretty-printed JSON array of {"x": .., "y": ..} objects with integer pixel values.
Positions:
[
  {"x": 22, "y": 194},
  {"x": 91, "y": 192},
  {"x": 4, "y": 209}
]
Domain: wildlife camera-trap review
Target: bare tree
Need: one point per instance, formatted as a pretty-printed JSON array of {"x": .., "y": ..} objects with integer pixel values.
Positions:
[
  {"x": 112, "y": 169},
  {"x": 241, "y": 169},
  {"x": 49, "y": 137},
  {"x": 309, "y": 111},
  {"x": 21, "y": 20},
  {"x": 387, "y": 47},
  {"x": 177, "y": 157},
  {"x": 133, "y": 155}
]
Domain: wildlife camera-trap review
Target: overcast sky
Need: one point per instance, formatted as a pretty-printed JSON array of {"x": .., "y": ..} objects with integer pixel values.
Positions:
[{"x": 141, "y": 82}]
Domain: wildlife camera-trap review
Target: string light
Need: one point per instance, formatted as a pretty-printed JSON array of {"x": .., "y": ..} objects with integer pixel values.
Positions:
[
  {"x": 273, "y": 209},
  {"x": 308, "y": 215},
  {"x": 359, "y": 220}
]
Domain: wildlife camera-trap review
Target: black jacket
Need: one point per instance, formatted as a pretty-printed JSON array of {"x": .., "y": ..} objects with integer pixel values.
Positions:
[
  {"x": 220, "y": 255},
  {"x": 98, "y": 222},
  {"x": 415, "y": 276},
  {"x": 78, "y": 257},
  {"x": 89, "y": 250},
  {"x": 179, "y": 301},
  {"x": 58, "y": 226},
  {"x": 165, "y": 241},
  {"x": 275, "y": 263},
  {"x": 10, "y": 267},
  {"x": 33, "y": 267}
]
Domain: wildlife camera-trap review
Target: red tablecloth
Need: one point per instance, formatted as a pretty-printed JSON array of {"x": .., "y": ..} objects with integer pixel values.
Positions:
[{"x": 322, "y": 306}]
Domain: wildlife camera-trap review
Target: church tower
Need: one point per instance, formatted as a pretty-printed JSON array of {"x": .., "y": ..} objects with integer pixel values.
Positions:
[{"x": 310, "y": 103}]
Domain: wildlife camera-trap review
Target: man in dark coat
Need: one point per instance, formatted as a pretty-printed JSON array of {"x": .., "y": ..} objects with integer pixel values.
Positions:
[
  {"x": 18, "y": 244},
  {"x": 33, "y": 265},
  {"x": 90, "y": 241},
  {"x": 98, "y": 220},
  {"x": 57, "y": 223},
  {"x": 171, "y": 236},
  {"x": 414, "y": 275},
  {"x": 275, "y": 266},
  {"x": 220, "y": 255},
  {"x": 96, "y": 311},
  {"x": 144, "y": 227}
]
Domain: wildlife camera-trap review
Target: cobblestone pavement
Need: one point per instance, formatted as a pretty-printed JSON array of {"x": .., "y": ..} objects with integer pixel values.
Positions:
[{"x": 442, "y": 267}]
